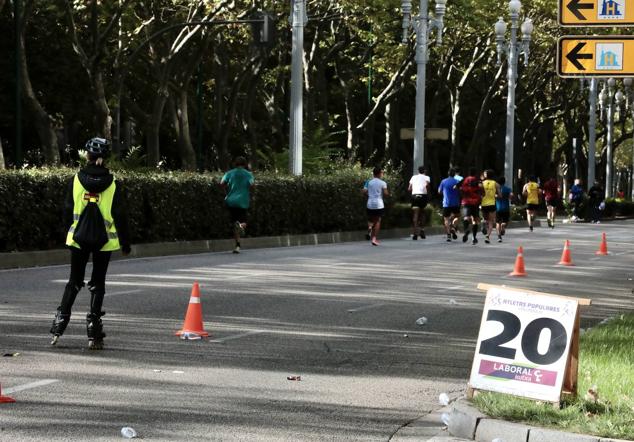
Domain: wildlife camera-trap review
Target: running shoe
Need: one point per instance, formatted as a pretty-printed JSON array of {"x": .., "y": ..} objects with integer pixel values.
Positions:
[
  {"x": 530, "y": 228},
  {"x": 454, "y": 235},
  {"x": 448, "y": 237},
  {"x": 236, "y": 249},
  {"x": 499, "y": 238},
  {"x": 414, "y": 237},
  {"x": 487, "y": 239},
  {"x": 474, "y": 241},
  {"x": 465, "y": 237},
  {"x": 422, "y": 234},
  {"x": 375, "y": 242}
]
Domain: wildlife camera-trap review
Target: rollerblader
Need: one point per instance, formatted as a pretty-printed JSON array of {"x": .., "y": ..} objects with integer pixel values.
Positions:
[{"x": 98, "y": 222}]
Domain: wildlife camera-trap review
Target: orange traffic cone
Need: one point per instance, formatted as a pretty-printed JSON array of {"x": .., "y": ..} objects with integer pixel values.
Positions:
[
  {"x": 603, "y": 248},
  {"x": 566, "y": 260},
  {"x": 193, "y": 326},
  {"x": 519, "y": 264},
  {"x": 5, "y": 399}
]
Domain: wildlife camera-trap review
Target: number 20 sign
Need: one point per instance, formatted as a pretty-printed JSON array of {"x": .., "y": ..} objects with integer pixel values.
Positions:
[{"x": 523, "y": 344}]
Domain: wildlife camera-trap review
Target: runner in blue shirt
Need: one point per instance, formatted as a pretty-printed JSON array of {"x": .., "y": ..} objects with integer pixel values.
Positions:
[
  {"x": 503, "y": 207},
  {"x": 449, "y": 188}
]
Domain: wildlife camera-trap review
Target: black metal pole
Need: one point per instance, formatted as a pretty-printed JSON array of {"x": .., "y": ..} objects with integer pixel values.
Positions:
[{"x": 18, "y": 83}]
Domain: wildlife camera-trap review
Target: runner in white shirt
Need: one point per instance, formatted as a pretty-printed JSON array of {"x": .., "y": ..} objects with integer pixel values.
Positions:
[
  {"x": 419, "y": 185},
  {"x": 375, "y": 189}
]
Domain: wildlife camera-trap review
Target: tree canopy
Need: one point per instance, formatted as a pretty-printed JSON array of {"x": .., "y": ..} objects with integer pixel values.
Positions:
[{"x": 193, "y": 97}]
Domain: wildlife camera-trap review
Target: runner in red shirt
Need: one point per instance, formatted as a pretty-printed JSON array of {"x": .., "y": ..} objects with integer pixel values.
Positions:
[
  {"x": 551, "y": 195},
  {"x": 471, "y": 190}
]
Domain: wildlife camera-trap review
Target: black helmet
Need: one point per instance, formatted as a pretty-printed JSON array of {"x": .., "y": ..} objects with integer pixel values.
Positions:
[{"x": 98, "y": 147}]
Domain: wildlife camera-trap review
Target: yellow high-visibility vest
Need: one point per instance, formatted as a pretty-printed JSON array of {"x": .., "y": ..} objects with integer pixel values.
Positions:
[{"x": 81, "y": 198}]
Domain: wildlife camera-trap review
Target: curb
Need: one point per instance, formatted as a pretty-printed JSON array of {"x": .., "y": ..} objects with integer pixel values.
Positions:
[
  {"x": 468, "y": 422},
  {"x": 15, "y": 260}
]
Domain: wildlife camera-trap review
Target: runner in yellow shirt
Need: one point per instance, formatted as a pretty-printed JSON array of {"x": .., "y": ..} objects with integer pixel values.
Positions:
[
  {"x": 491, "y": 191},
  {"x": 531, "y": 193}
]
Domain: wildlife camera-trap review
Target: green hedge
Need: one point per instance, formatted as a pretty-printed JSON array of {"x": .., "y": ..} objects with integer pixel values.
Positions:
[{"x": 185, "y": 206}]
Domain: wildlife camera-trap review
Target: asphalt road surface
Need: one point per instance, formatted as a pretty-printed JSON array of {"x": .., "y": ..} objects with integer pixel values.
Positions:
[{"x": 343, "y": 317}]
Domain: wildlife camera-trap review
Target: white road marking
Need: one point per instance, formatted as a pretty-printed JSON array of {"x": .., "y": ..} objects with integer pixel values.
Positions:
[
  {"x": 29, "y": 386},
  {"x": 127, "y": 292},
  {"x": 365, "y": 307},
  {"x": 553, "y": 250},
  {"x": 238, "y": 336}
]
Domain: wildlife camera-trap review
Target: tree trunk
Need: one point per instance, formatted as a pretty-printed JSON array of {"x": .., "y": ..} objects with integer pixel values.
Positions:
[
  {"x": 41, "y": 120},
  {"x": 2, "y": 165},
  {"x": 183, "y": 134},
  {"x": 103, "y": 120},
  {"x": 154, "y": 128}
]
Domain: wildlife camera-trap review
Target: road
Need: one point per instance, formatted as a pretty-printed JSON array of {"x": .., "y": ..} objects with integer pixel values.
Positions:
[{"x": 342, "y": 316}]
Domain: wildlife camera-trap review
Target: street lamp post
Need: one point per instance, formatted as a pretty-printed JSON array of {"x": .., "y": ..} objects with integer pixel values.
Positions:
[
  {"x": 298, "y": 21},
  {"x": 592, "y": 128},
  {"x": 607, "y": 97},
  {"x": 422, "y": 25},
  {"x": 627, "y": 82},
  {"x": 511, "y": 49}
]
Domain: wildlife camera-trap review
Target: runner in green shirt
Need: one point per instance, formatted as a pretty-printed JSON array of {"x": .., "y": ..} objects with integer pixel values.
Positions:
[{"x": 237, "y": 183}]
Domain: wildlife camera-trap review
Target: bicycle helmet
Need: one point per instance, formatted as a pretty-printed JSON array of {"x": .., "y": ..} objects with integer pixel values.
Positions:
[{"x": 99, "y": 147}]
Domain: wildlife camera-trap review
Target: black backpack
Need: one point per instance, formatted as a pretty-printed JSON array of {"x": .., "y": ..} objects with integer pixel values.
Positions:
[{"x": 90, "y": 232}]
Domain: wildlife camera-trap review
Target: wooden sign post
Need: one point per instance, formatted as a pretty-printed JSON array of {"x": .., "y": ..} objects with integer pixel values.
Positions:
[{"x": 528, "y": 344}]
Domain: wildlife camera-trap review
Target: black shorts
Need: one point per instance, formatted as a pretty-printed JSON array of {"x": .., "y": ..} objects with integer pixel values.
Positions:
[
  {"x": 448, "y": 211},
  {"x": 237, "y": 214},
  {"x": 419, "y": 201},
  {"x": 553, "y": 202},
  {"x": 532, "y": 206},
  {"x": 488, "y": 209},
  {"x": 375, "y": 213},
  {"x": 473, "y": 211},
  {"x": 503, "y": 216}
]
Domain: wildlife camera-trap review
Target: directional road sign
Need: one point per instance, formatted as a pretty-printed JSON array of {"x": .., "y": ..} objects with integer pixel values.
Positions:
[
  {"x": 596, "y": 56},
  {"x": 596, "y": 12}
]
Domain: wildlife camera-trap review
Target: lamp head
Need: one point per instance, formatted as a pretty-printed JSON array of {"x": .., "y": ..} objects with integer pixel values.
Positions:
[
  {"x": 619, "y": 96},
  {"x": 500, "y": 27},
  {"x": 515, "y": 6},
  {"x": 527, "y": 27}
]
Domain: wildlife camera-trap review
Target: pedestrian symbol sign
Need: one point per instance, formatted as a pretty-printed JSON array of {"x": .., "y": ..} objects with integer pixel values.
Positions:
[
  {"x": 595, "y": 56},
  {"x": 596, "y": 12}
]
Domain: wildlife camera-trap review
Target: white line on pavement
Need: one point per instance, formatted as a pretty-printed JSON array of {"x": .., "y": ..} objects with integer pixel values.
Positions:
[
  {"x": 127, "y": 292},
  {"x": 238, "y": 336},
  {"x": 365, "y": 307},
  {"x": 29, "y": 386}
]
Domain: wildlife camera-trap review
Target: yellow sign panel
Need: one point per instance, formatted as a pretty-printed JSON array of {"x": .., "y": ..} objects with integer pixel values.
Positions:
[
  {"x": 596, "y": 56},
  {"x": 596, "y": 12}
]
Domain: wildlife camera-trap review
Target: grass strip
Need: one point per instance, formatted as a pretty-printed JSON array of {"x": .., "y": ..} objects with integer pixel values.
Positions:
[{"x": 606, "y": 367}]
